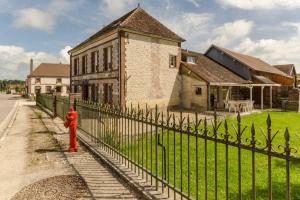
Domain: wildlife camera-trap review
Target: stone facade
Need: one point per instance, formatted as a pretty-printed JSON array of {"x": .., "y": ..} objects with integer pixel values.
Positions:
[
  {"x": 149, "y": 78},
  {"x": 43, "y": 84},
  {"x": 191, "y": 99},
  {"x": 95, "y": 80}
]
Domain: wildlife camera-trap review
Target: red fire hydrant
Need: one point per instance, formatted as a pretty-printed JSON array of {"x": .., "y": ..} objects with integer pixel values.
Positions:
[{"x": 71, "y": 122}]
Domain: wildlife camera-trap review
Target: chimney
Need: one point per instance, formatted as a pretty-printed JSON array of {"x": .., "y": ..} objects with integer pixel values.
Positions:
[{"x": 31, "y": 66}]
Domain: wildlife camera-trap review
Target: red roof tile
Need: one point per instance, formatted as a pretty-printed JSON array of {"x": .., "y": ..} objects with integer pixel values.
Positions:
[
  {"x": 51, "y": 70},
  {"x": 138, "y": 20}
]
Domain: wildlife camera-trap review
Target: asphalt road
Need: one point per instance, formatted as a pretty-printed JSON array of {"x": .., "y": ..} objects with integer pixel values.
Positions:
[{"x": 7, "y": 102}]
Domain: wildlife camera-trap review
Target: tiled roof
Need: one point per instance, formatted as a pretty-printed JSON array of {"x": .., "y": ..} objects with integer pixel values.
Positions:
[
  {"x": 252, "y": 62},
  {"x": 210, "y": 71},
  {"x": 137, "y": 20},
  {"x": 288, "y": 69},
  {"x": 51, "y": 70}
]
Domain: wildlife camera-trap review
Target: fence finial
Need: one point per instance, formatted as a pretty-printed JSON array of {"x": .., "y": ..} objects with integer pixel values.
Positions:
[{"x": 269, "y": 121}]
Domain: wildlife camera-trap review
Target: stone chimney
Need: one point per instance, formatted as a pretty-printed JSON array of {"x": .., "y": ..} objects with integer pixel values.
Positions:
[{"x": 31, "y": 65}]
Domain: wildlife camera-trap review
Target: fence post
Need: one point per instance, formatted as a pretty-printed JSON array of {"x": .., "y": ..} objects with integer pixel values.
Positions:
[
  {"x": 288, "y": 160},
  {"x": 54, "y": 107},
  {"x": 75, "y": 104}
]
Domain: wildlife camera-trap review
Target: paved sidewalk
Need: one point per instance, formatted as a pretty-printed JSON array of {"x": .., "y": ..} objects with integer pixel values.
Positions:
[
  {"x": 101, "y": 182},
  {"x": 35, "y": 165}
]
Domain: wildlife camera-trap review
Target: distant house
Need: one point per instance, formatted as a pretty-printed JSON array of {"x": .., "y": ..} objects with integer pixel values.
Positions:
[
  {"x": 135, "y": 59},
  {"x": 48, "y": 78}
]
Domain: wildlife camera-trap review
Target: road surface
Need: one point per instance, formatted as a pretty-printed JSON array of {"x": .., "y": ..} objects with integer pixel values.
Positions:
[{"x": 7, "y": 102}]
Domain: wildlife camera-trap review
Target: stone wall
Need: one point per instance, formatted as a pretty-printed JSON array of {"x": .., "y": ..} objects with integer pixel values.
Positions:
[
  {"x": 190, "y": 100},
  {"x": 100, "y": 77},
  {"x": 148, "y": 77}
]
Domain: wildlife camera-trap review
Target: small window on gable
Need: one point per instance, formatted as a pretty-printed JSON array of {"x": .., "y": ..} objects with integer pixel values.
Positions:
[
  {"x": 191, "y": 59},
  {"x": 198, "y": 91},
  {"x": 172, "y": 61}
]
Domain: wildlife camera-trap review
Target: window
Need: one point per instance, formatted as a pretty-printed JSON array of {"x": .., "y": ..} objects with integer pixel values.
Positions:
[
  {"x": 198, "y": 91},
  {"x": 108, "y": 93},
  {"x": 172, "y": 61},
  {"x": 191, "y": 59},
  {"x": 48, "y": 89},
  {"x": 83, "y": 64},
  {"x": 76, "y": 66},
  {"x": 37, "y": 80},
  {"x": 58, "y": 89},
  {"x": 107, "y": 58},
  {"x": 37, "y": 89},
  {"x": 58, "y": 80},
  {"x": 94, "y": 61}
]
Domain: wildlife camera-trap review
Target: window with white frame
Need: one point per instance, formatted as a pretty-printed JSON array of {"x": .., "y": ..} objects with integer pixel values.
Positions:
[
  {"x": 172, "y": 61},
  {"x": 107, "y": 58},
  {"x": 191, "y": 59}
]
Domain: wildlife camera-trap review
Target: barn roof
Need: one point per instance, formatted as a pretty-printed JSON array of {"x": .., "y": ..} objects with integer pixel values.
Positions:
[
  {"x": 288, "y": 69},
  {"x": 252, "y": 62},
  {"x": 210, "y": 71}
]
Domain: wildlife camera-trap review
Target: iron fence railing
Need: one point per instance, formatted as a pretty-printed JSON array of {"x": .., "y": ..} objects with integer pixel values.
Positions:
[{"x": 193, "y": 158}]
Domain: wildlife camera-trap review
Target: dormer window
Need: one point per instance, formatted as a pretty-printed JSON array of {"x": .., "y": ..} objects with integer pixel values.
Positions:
[{"x": 191, "y": 59}]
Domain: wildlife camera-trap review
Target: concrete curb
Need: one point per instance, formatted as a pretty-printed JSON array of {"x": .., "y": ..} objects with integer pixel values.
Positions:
[{"x": 8, "y": 121}]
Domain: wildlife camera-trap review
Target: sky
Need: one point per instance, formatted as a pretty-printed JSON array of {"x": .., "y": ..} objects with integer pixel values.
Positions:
[{"x": 45, "y": 30}]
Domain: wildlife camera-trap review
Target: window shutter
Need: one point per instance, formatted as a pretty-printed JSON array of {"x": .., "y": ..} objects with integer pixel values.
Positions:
[{"x": 105, "y": 59}]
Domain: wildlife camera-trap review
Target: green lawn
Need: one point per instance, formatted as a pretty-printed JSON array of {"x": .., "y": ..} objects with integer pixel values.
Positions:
[{"x": 280, "y": 120}]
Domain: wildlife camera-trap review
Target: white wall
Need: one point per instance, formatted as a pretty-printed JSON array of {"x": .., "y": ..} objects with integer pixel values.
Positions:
[{"x": 49, "y": 81}]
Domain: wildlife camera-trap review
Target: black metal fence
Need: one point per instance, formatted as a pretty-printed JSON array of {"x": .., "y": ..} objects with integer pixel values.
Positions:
[{"x": 193, "y": 158}]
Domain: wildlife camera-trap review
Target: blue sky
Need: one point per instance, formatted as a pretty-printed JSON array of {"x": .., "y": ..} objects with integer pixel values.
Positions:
[{"x": 46, "y": 30}]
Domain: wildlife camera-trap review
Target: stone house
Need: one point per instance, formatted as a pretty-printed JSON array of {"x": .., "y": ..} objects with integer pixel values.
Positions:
[
  {"x": 48, "y": 78},
  {"x": 135, "y": 59}
]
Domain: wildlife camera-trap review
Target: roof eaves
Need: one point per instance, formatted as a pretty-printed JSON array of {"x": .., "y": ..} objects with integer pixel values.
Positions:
[
  {"x": 249, "y": 67},
  {"x": 151, "y": 34}
]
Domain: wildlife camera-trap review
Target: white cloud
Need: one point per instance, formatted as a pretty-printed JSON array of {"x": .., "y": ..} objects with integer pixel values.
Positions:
[
  {"x": 229, "y": 33},
  {"x": 15, "y": 59},
  {"x": 281, "y": 51},
  {"x": 115, "y": 8},
  {"x": 64, "y": 56},
  {"x": 34, "y": 18},
  {"x": 194, "y": 2},
  {"x": 189, "y": 25},
  {"x": 261, "y": 4},
  {"x": 44, "y": 19}
]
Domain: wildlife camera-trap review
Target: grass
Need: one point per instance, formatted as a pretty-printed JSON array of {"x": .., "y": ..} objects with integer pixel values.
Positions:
[{"x": 181, "y": 155}]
